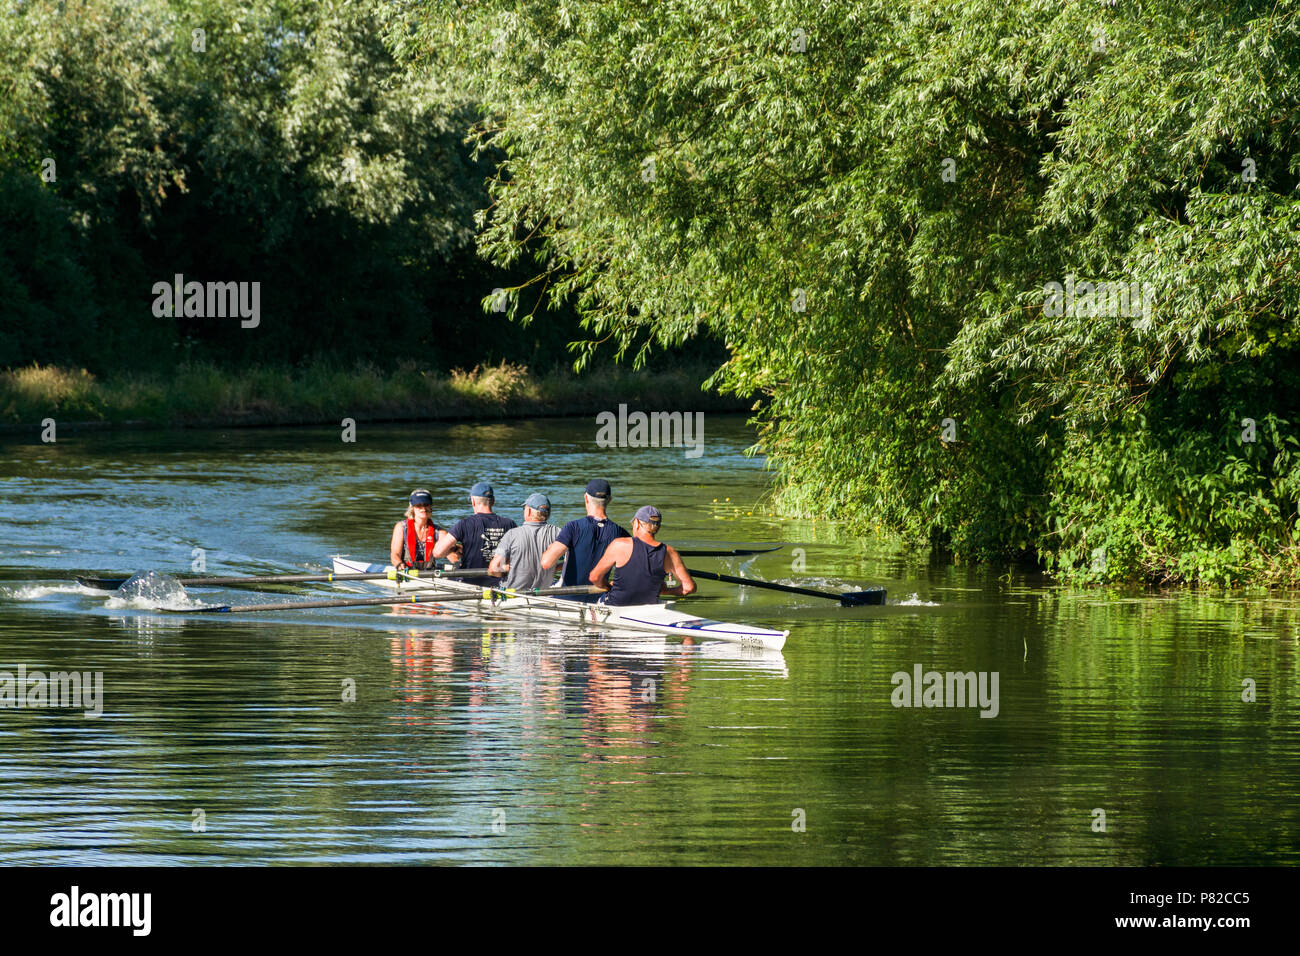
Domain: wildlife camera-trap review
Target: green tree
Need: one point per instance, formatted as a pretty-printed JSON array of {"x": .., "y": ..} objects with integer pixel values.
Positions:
[
  {"x": 277, "y": 141},
  {"x": 867, "y": 205}
]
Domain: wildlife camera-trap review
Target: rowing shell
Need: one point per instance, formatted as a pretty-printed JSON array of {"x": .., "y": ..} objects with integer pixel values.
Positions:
[{"x": 649, "y": 618}]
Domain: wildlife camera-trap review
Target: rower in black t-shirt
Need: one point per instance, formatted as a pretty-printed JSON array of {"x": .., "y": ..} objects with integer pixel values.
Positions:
[{"x": 478, "y": 534}]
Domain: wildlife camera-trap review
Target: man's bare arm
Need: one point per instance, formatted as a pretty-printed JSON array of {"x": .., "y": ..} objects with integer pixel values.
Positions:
[
  {"x": 600, "y": 573},
  {"x": 553, "y": 554},
  {"x": 679, "y": 571},
  {"x": 445, "y": 543}
]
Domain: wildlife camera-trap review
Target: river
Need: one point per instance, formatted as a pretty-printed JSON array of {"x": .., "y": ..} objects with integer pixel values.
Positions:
[{"x": 1118, "y": 733}]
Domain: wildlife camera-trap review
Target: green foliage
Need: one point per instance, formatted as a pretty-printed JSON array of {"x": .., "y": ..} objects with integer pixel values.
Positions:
[
  {"x": 44, "y": 286},
  {"x": 696, "y": 166},
  {"x": 288, "y": 148},
  {"x": 1181, "y": 491}
]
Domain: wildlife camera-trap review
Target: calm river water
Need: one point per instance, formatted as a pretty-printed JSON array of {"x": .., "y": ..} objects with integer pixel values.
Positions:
[{"x": 229, "y": 740}]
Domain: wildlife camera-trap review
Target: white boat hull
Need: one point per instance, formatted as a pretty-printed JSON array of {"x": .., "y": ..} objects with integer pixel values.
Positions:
[{"x": 651, "y": 618}]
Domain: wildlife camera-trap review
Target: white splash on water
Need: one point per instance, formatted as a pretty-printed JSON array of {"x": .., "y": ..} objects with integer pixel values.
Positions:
[
  {"x": 915, "y": 601},
  {"x": 148, "y": 590},
  {"x": 34, "y": 592}
]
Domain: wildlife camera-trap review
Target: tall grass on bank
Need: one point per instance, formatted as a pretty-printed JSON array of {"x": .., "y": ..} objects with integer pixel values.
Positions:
[{"x": 204, "y": 394}]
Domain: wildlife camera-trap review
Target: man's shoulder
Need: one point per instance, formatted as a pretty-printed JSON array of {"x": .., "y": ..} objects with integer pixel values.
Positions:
[
  {"x": 573, "y": 527},
  {"x": 512, "y": 535},
  {"x": 611, "y": 531}
]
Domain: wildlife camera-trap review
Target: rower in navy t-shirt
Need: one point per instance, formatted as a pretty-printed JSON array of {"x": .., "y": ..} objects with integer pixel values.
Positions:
[
  {"x": 582, "y": 542},
  {"x": 478, "y": 533}
]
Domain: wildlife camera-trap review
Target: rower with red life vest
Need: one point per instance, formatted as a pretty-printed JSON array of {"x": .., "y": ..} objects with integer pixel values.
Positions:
[
  {"x": 415, "y": 536},
  {"x": 582, "y": 541},
  {"x": 640, "y": 562},
  {"x": 478, "y": 533}
]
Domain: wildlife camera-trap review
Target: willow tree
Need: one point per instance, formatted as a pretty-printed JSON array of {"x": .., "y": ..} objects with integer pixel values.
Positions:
[{"x": 874, "y": 203}]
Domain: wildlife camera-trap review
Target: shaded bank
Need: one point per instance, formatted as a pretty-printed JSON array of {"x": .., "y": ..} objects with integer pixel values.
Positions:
[{"x": 197, "y": 395}]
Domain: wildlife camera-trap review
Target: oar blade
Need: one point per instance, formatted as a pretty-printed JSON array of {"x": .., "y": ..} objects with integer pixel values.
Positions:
[
  {"x": 726, "y": 553},
  {"x": 862, "y": 598},
  {"x": 101, "y": 584}
]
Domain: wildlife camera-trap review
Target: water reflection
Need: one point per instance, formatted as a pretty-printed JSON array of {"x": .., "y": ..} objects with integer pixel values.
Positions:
[{"x": 616, "y": 687}]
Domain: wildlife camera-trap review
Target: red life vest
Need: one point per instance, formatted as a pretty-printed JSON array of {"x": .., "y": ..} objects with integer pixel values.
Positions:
[{"x": 412, "y": 543}]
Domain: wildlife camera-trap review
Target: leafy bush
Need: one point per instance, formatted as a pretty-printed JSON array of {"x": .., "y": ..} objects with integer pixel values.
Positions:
[{"x": 868, "y": 205}]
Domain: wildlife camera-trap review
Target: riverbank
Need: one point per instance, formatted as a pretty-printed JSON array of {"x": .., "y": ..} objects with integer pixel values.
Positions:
[{"x": 202, "y": 395}]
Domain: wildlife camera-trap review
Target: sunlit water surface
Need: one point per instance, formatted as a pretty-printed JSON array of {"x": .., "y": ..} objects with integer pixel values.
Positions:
[{"x": 370, "y": 735}]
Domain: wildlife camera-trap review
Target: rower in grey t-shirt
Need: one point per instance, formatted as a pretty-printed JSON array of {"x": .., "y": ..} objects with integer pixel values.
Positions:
[{"x": 521, "y": 548}]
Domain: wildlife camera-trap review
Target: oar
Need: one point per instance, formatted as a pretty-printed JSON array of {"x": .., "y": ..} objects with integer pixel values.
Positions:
[
  {"x": 112, "y": 584},
  {"x": 733, "y": 553},
  {"x": 442, "y": 597},
  {"x": 847, "y": 599}
]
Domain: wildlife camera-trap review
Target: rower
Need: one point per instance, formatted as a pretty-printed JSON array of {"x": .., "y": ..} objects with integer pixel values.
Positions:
[
  {"x": 415, "y": 536},
  {"x": 582, "y": 541},
  {"x": 478, "y": 533},
  {"x": 520, "y": 550},
  {"x": 640, "y": 561}
]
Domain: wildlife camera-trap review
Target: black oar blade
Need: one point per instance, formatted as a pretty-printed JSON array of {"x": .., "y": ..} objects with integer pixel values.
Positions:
[
  {"x": 863, "y": 598},
  {"x": 101, "y": 584},
  {"x": 728, "y": 553},
  {"x": 874, "y": 595}
]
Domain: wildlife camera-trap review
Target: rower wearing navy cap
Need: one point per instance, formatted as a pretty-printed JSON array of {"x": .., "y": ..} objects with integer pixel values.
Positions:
[
  {"x": 478, "y": 533},
  {"x": 415, "y": 537},
  {"x": 640, "y": 562},
  {"x": 584, "y": 540}
]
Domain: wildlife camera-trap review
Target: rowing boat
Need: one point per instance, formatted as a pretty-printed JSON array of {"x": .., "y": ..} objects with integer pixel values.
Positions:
[{"x": 659, "y": 618}]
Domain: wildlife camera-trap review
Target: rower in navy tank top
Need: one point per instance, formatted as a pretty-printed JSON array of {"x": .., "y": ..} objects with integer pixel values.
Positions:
[
  {"x": 640, "y": 580},
  {"x": 639, "y": 564}
]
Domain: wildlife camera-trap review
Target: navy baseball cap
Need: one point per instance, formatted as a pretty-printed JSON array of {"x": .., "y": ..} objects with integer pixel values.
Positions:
[
  {"x": 482, "y": 490},
  {"x": 421, "y": 497},
  {"x": 599, "y": 488},
  {"x": 538, "y": 502},
  {"x": 649, "y": 514}
]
